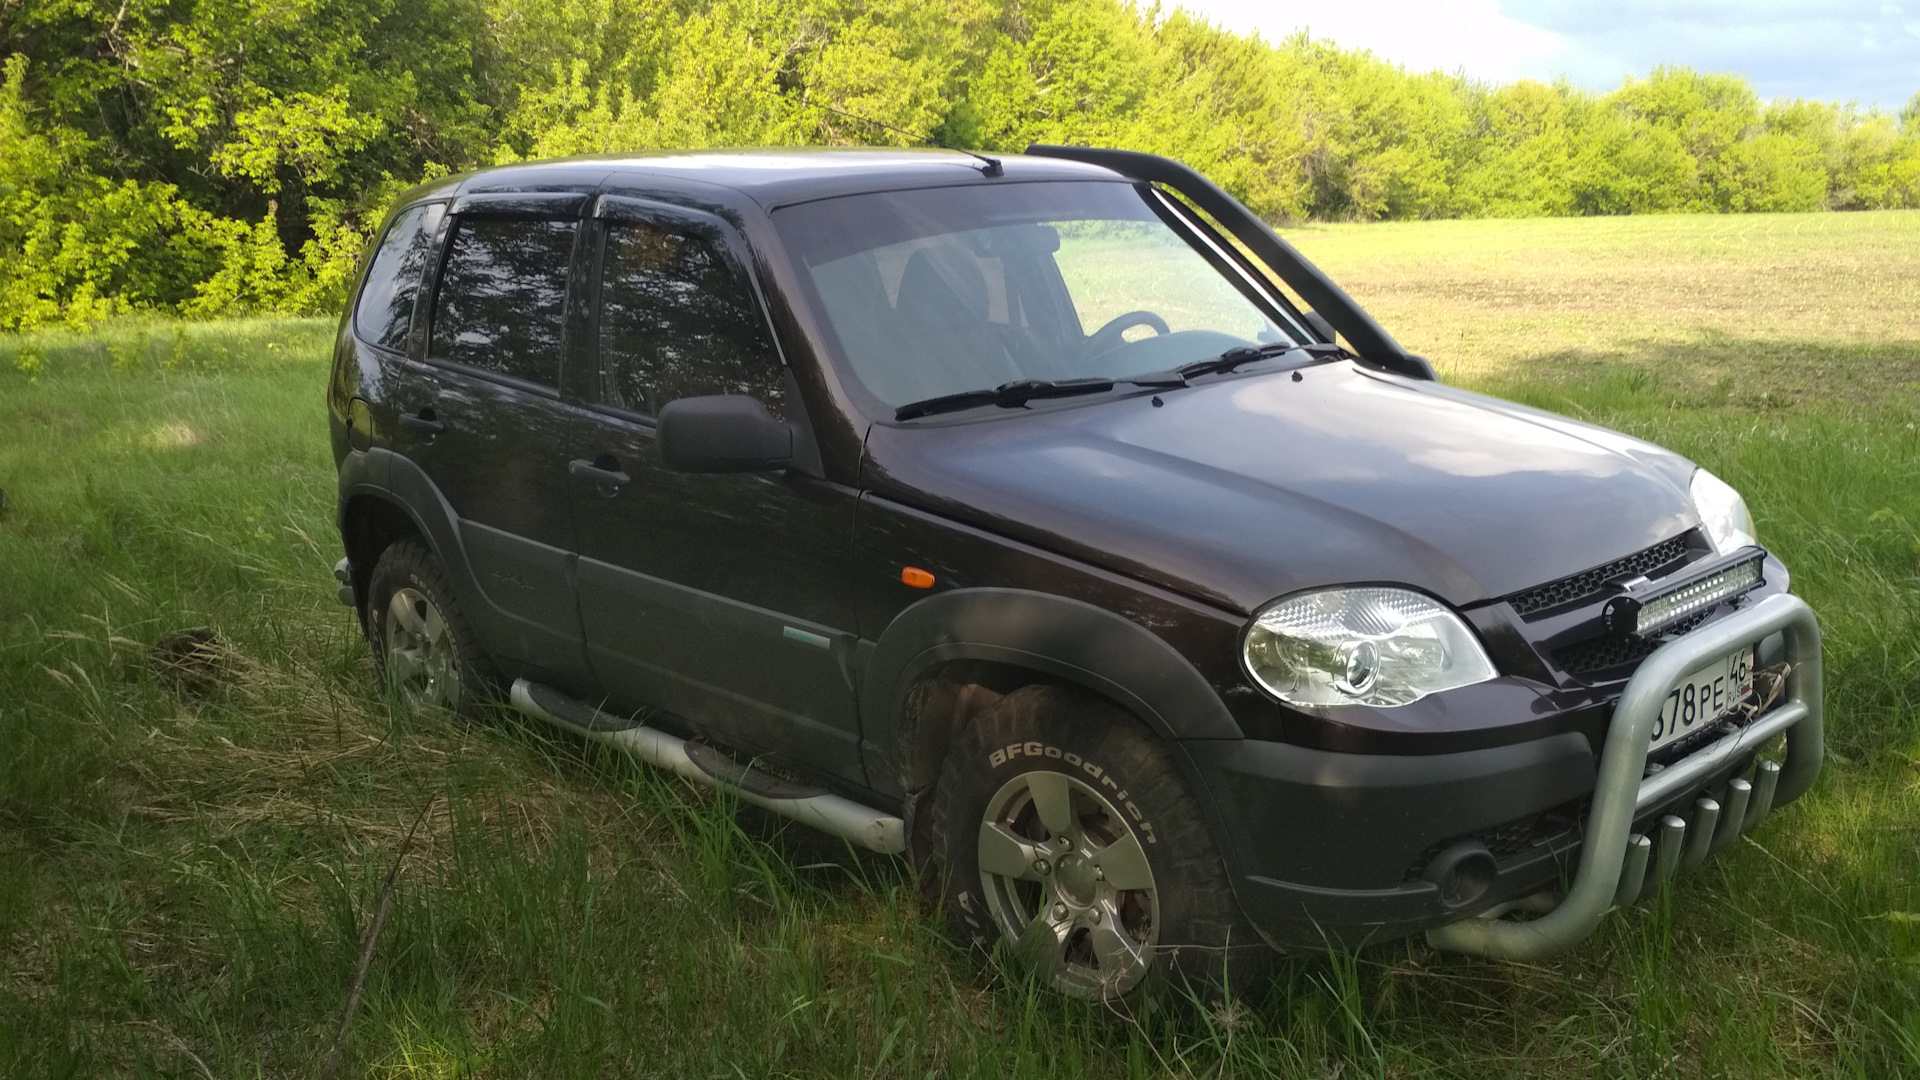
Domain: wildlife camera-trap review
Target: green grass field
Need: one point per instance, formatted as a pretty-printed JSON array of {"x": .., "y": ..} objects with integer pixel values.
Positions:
[{"x": 186, "y": 872}]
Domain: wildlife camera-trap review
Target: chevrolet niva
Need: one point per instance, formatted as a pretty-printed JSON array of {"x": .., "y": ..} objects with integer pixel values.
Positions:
[{"x": 1051, "y": 521}]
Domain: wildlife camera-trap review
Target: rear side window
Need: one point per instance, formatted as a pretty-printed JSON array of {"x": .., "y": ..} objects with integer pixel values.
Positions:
[
  {"x": 502, "y": 299},
  {"x": 386, "y": 299},
  {"x": 677, "y": 319}
]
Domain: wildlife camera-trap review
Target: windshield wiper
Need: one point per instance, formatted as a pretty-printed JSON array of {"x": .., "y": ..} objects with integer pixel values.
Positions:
[
  {"x": 1012, "y": 395},
  {"x": 1246, "y": 354}
]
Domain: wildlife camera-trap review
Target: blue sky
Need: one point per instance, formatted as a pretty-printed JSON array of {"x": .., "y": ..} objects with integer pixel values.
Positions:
[{"x": 1866, "y": 51}]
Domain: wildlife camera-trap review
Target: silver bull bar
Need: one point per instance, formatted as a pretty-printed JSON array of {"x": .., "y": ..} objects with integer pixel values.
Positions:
[{"x": 1613, "y": 868}]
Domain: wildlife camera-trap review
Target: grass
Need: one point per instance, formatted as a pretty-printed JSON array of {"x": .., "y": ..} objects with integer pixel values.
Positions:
[
  {"x": 1758, "y": 310},
  {"x": 187, "y": 873}
]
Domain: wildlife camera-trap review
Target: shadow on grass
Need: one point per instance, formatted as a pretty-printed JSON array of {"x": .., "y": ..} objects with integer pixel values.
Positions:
[{"x": 1714, "y": 370}]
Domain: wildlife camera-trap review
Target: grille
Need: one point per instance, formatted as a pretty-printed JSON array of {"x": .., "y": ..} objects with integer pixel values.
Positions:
[
  {"x": 1590, "y": 583},
  {"x": 1512, "y": 838},
  {"x": 1605, "y": 653},
  {"x": 1527, "y": 833}
]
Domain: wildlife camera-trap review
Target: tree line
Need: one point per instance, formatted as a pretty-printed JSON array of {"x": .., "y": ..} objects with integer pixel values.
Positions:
[{"x": 214, "y": 158}]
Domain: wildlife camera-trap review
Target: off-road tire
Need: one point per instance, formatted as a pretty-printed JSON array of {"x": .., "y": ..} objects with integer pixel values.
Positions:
[
  {"x": 407, "y": 566},
  {"x": 1200, "y": 941}
]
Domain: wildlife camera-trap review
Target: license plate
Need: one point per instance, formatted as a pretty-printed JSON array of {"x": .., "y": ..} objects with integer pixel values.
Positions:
[{"x": 1704, "y": 697}]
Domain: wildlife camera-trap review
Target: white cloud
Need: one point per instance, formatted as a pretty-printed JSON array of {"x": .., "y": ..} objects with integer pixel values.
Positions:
[
  {"x": 1471, "y": 34},
  {"x": 1859, "y": 50},
  {"x": 1845, "y": 50}
]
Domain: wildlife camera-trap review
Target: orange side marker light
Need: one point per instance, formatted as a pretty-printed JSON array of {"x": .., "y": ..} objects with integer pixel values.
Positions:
[{"x": 916, "y": 577}]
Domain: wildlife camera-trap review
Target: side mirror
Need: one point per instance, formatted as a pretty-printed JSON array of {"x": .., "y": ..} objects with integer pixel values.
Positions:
[
  {"x": 1318, "y": 324},
  {"x": 722, "y": 433}
]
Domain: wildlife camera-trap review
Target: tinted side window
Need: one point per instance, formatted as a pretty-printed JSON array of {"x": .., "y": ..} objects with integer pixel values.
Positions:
[
  {"x": 386, "y": 299},
  {"x": 501, "y": 303},
  {"x": 677, "y": 320}
]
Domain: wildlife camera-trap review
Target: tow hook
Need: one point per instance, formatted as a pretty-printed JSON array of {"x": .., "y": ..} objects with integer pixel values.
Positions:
[{"x": 343, "y": 573}]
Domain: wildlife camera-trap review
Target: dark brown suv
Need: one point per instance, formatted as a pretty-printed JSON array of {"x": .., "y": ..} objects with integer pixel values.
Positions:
[{"x": 1051, "y": 521}]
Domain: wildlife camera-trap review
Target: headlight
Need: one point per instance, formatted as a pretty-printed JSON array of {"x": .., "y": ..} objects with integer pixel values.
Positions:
[
  {"x": 1723, "y": 513},
  {"x": 1366, "y": 645}
]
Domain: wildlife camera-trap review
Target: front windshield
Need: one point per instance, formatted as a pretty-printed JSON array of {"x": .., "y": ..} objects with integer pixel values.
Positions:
[{"x": 949, "y": 290}]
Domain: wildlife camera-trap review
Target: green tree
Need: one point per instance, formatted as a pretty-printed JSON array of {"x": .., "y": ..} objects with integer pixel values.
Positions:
[
  {"x": 1525, "y": 150},
  {"x": 1255, "y": 139},
  {"x": 210, "y": 157}
]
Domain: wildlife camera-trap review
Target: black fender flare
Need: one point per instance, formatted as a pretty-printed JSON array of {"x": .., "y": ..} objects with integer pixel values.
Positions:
[
  {"x": 1066, "y": 639},
  {"x": 391, "y": 478},
  {"x": 516, "y": 643}
]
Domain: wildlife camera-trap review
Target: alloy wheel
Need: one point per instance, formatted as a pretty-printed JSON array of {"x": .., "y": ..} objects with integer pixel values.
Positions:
[
  {"x": 1068, "y": 882},
  {"x": 420, "y": 656}
]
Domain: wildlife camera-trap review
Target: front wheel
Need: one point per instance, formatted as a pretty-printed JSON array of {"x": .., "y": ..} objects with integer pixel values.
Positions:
[{"x": 1068, "y": 838}]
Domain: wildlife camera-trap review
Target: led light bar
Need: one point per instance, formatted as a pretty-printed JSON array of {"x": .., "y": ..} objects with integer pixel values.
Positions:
[{"x": 1647, "y": 614}]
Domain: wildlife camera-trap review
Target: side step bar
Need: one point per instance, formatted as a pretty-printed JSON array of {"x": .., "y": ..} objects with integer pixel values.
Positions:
[{"x": 827, "y": 812}]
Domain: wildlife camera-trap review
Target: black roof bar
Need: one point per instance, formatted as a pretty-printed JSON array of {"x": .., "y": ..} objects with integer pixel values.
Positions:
[{"x": 1367, "y": 337}]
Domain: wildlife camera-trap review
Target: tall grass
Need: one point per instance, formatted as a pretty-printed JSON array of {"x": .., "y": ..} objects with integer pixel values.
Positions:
[{"x": 187, "y": 873}]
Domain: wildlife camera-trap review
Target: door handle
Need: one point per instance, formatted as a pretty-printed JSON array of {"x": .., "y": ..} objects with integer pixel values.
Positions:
[
  {"x": 604, "y": 471},
  {"x": 424, "y": 422}
]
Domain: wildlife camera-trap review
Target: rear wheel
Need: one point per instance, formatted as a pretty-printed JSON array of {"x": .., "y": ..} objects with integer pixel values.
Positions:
[
  {"x": 1069, "y": 840},
  {"x": 426, "y": 654}
]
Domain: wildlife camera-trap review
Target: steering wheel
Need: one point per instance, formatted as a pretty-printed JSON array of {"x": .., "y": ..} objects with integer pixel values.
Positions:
[{"x": 1108, "y": 336}]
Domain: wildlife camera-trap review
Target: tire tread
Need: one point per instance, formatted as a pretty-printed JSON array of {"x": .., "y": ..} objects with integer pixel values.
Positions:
[
  {"x": 1200, "y": 918},
  {"x": 410, "y": 562}
]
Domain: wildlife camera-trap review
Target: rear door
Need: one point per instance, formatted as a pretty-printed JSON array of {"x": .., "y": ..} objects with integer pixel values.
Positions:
[
  {"x": 484, "y": 418},
  {"x": 722, "y": 598}
]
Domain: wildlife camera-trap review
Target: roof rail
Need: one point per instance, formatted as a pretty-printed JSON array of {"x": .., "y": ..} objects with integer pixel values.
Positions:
[{"x": 1368, "y": 338}]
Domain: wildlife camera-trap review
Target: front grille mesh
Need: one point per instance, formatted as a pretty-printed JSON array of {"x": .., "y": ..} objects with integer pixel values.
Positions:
[
  {"x": 1550, "y": 827},
  {"x": 1526, "y": 834},
  {"x": 1589, "y": 583},
  {"x": 1604, "y": 653}
]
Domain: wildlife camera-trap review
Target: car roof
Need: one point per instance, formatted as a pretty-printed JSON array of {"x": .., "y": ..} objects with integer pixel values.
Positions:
[{"x": 772, "y": 177}]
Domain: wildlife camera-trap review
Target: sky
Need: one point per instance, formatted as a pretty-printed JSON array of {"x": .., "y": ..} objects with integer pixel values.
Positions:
[{"x": 1865, "y": 51}]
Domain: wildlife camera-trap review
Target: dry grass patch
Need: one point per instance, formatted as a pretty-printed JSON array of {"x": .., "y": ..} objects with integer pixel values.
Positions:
[{"x": 1807, "y": 306}]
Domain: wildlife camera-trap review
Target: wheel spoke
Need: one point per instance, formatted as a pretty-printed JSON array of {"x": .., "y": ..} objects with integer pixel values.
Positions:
[
  {"x": 433, "y": 626},
  {"x": 1043, "y": 944},
  {"x": 1124, "y": 862},
  {"x": 1120, "y": 956},
  {"x": 403, "y": 666},
  {"x": 440, "y": 686},
  {"x": 400, "y": 610},
  {"x": 1053, "y": 801},
  {"x": 1003, "y": 853}
]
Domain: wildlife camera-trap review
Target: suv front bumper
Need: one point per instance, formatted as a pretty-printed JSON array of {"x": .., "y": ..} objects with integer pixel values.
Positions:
[
  {"x": 1613, "y": 859},
  {"x": 1328, "y": 845}
]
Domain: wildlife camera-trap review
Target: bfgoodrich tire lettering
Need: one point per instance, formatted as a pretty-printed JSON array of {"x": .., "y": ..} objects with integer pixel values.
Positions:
[
  {"x": 423, "y": 648},
  {"x": 1065, "y": 835}
]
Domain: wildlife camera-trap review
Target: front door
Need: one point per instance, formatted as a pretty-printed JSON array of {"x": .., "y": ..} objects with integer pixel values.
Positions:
[
  {"x": 723, "y": 599},
  {"x": 484, "y": 419}
]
